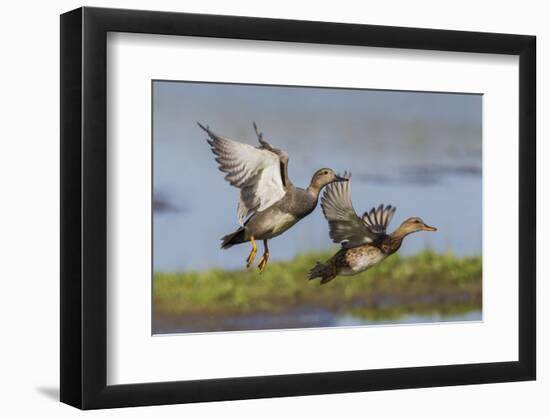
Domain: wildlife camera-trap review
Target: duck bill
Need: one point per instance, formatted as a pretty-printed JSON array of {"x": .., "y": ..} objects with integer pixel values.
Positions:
[
  {"x": 339, "y": 178},
  {"x": 429, "y": 228}
]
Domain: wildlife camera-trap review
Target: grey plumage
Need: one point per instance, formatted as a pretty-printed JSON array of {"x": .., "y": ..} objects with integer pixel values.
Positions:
[
  {"x": 276, "y": 219},
  {"x": 269, "y": 203}
]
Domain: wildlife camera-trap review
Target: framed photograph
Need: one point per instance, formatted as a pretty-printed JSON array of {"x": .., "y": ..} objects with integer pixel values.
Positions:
[{"x": 256, "y": 208}]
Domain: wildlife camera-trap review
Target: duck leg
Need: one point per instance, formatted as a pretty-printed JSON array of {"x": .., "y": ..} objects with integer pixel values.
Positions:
[
  {"x": 264, "y": 258},
  {"x": 252, "y": 254}
]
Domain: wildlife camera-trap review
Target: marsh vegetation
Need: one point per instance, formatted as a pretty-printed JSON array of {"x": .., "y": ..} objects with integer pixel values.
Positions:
[{"x": 428, "y": 286}]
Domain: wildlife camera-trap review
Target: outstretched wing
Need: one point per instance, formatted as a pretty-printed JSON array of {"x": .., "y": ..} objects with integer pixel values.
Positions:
[
  {"x": 256, "y": 171},
  {"x": 377, "y": 219},
  {"x": 345, "y": 226}
]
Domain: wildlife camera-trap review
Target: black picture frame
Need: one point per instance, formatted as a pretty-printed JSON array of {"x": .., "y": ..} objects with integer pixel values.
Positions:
[{"x": 84, "y": 207}]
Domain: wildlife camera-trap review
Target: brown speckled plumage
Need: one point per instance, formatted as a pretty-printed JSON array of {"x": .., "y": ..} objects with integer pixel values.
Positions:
[
  {"x": 364, "y": 240},
  {"x": 348, "y": 260}
]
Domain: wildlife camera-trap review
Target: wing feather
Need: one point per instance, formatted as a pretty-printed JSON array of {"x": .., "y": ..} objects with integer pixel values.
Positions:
[
  {"x": 378, "y": 219},
  {"x": 255, "y": 171},
  {"x": 345, "y": 226}
]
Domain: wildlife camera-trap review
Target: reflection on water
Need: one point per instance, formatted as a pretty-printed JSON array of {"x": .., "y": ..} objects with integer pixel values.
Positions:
[
  {"x": 349, "y": 320},
  {"x": 296, "y": 319}
]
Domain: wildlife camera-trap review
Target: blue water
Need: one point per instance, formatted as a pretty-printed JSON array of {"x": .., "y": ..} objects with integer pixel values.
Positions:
[
  {"x": 294, "y": 319},
  {"x": 349, "y": 320},
  {"x": 420, "y": 152}
]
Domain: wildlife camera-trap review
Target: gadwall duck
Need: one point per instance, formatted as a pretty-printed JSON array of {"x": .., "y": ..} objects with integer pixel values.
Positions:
[
  {"x": 269, "y": 203},
  {"x": 364, "y": 240}
]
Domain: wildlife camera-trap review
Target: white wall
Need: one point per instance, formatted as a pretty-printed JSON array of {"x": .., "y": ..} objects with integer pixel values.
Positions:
[{"x": 29, "y": 211}]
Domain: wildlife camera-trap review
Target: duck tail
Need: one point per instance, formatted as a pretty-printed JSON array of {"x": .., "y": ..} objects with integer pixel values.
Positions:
[
  {"x": 326, "y": 271},
  {"x": 233, "y": 238}
]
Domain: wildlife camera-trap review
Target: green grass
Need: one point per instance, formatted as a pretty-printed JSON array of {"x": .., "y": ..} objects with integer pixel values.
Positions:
[{"x": 284, "y": 285}]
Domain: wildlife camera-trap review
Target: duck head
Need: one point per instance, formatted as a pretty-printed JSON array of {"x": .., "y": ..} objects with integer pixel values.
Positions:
[
  {"x": 411, "y": 225},
  {"x": 322, "y": 177}
]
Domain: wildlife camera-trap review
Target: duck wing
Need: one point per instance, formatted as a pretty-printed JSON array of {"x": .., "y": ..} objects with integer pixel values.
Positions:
[
  {"x": 255, "y": 171},
  {"x": 345, "y": 226},
  {"x": 283, "y": 156},
  {"x": 377, "y": 219}
]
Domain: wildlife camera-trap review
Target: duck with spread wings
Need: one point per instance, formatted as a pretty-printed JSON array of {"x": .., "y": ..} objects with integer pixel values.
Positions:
[
  {"x": 364, "y": 241},
  {"x": 269, "y": 203}
]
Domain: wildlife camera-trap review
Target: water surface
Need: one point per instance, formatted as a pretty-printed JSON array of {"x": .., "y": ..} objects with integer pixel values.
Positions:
[{"x": 296, "y": 319}]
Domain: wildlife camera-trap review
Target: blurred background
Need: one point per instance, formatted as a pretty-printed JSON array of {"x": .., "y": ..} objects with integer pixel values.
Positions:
[{"x": 421, "y": 152}]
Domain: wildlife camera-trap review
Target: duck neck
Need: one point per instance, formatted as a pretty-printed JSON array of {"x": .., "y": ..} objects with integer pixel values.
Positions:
[
  {"x": 314, "y": 189},
  {"x": 400, "y": 233},
  {"x": 391, "y": 243}
]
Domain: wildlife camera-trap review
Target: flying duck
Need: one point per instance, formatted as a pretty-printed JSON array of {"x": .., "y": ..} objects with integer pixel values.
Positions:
[
  {"x": 364, "y": 242},
  {"x": 269, "y": 203}
]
